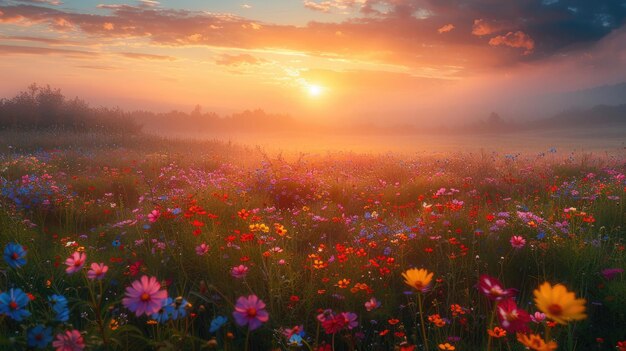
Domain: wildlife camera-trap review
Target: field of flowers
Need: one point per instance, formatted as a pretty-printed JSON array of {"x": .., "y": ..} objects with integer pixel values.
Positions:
[{"x": 181, "y": 245}]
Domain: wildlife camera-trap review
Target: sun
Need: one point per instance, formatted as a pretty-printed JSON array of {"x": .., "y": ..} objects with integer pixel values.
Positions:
[{"x": 314, "y": 90}]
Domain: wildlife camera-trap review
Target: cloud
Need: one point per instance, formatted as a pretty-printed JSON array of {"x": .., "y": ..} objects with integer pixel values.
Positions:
[
  {"x": 49, "y": 41},
  {"x": 98, "y": 67},
  {"x": 34, "y": 50},
  {"x": 446, "y": 28},
  {"x": 140, "y": 56},
  {"x": 43, "y": 2},
  {"x": 237, "y": 60},
  {"x": 515, "y": 40},
  {"x": 483, "y": 27}
]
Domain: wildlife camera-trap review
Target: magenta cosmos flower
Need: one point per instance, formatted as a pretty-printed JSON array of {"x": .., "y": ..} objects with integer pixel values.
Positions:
[
  {"x": 517, "y": 241},
  {"x": 154, "y": 216},
  {"x": 71, "y": 340},
  {"x": 239, "y": 271},
  {"x": 493, "y": 289},
  {"x": 144, "y": 296},
  {"x": 250, "y": 311},
  {"x": 97, "y": 271},
  {"x": 512, "y": 318},
  {"x": 75, "y": 262}
]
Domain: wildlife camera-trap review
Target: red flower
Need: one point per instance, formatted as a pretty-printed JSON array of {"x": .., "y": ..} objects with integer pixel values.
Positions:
[
  {"x": 512, "y": 318},
  {"x": 493, "y": 289},
  {"x": 334, "y": 325}
]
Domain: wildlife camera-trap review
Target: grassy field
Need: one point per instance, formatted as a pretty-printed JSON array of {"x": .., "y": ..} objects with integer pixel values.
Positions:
[{"x": 252, "y": 248}]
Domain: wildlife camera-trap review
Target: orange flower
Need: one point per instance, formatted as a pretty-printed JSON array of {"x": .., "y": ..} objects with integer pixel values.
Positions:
[
  {"x": 418, "y": 278},
  {"x": 497, "y": 332},
  {"x": 558, "y": 304},
  {"x": 343, "y": 283},
  {"x": 535, "y": 342},
  {"x": 446, "y": 346}
]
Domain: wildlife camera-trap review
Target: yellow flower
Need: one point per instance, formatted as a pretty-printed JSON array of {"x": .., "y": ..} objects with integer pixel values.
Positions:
[
  {"x": 535, "y": 342},
  {"x": 418, "y": 278},
  {"x": 446, "y": 346},
  {"x": 558, "y": 304}
]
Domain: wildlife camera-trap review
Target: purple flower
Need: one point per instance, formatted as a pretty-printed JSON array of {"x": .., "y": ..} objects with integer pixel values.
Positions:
[
  {"x": 493, "y": 289},
  {"x": 250, "y": 311},
  {"x": 351, "y": 319},
  {"x": 610, "y": 273},
  {"x": 144, "y": 296}
]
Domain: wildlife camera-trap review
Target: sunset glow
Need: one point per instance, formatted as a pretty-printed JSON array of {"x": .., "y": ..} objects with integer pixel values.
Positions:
[{"x": 404, "y": 58}]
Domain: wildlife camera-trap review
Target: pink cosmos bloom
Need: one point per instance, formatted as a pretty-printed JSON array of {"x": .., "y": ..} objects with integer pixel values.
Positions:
[
  {"x": 144, "y": 296},
  {"x": 493, "y": 289},
  {"x": 351, "y": 319},
  {"x": 154, "y": 215},
  {"x": 372, "y": 304},
  {"x": 97, "y": 271},
  {"x": 537, "y": 317},
  {"x": 250, "y": 311},
  {"x": 239, "y": 271},
  {"x": 512, "y": 318},
  {"x": 202, "y": 249},
  {"x": 75, "y": 262},
  {"x": 71, "y": 340},
  {"x": 517, "y": 241}
]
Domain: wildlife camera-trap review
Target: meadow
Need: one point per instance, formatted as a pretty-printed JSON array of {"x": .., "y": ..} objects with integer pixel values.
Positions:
[{"x": 145, "y": 243}]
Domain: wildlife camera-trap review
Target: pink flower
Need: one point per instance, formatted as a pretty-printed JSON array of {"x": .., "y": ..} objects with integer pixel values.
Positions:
[
  {"x": 97, "y": 271},
  {"x": 512, "y": 318},
  {"x": 537, "y": 317},
  {"x": 71, "y": 340},
  {"x": 335, "y": 324},
  {"x": 154, "y": 215},
  {"x": 493, "y": 289},
  {"x": 144, "y": 296},
  {"x": 517, "y": 241},
  {"x": 372, "y": 304},
  {"x": 202, "y": 249},
  {"x": 250, "y": 311},
  {"x": 75, "y": 262},
  {"x": 239, "y": 271}
]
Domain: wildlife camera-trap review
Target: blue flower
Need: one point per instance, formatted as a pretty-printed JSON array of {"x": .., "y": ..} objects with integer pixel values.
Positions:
[
  {"x": 59, "y": 306},
  {"x": 15, "y": 255},
  {"x": 13, "y": 304},
  {"x": 295, "y": 340},
  {"x": 39, "y": 336},
  {"x": 179, "y": 308},
  {"x": 116, "y": 243},
  {"x": 217, "y": 323},
  {"x": 164, "y": 314}
]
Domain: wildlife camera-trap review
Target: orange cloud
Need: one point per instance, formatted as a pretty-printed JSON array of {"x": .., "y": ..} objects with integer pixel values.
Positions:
[
  {"x": 483, "y": 27},
  {"x": 518, "y": 39},
  {"x": 237, "y": 60},
  {"x": 32, "y": 50},
  {"x": 139, "y": 56},
  {"x": 445, "y": 29}
]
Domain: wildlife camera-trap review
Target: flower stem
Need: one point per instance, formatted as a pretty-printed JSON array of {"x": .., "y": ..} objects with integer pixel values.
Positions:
[
  {"x": 247, "y": 347},
  {"x": 493, "y": 317},
  {"x": 419, "y": 304}
]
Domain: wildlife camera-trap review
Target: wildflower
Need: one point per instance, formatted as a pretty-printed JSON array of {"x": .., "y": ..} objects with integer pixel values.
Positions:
[
  {"x": 59, "y": 307},
  {"x": 154, "y": 215},
  {"x": 217, "y": 323},
  {"x": 493, "y": 289},
  {"x": 343, "y": 283},
  {"x": 180, "y": 306},
  {"x": 517, "y": 242},
  {"x": 537, "y": 317},
  {"x": 71, "y": 340},
  {"x": 13, "y": 304},
  {"x": 608, "y": 274},
  {"x": 559, "y": 304},
  {"x": 334, "y": 324},
  {"x": 372, "y": 304},
  {"x": 250, "y": 311},
  {"x": 165, "y": 312},
  {"x": 39, "y": 336},
  {"x": 497, "y": 332},
  {"x": 351, "y": 319},
  {"x": 97, "y": 271},
  {"x": 202, "y": 249},
  {"x": 511, "y": 317},
  {"x": 239, "y": 271},
  {"x": 446, "y": 346},
  {"x": 418, "y": 278},
  {"x": 535, "y": 342},
  {"x": 621, "y": 345},
  {"x": 144, "y": 296},
  {"x": 14, "y": 255},
  {"x": 75, "y": 262}
]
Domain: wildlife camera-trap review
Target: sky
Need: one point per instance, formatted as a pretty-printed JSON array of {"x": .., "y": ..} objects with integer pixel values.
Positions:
[{"x": 342, "y": 61}]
